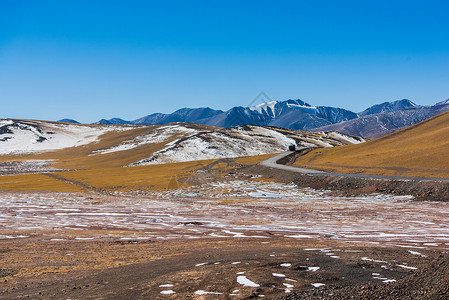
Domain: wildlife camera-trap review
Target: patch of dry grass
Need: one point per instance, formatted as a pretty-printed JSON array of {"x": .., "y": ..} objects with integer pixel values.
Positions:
[
  {"x": 35, "y": 182},
  {"x": 419, "y": 150},
  {"x": 152, "y": 177},
  {"x": 252, "y": 160}
]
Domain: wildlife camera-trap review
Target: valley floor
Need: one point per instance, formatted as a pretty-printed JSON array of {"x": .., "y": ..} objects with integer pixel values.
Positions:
[{"x": 234, "y": 237}]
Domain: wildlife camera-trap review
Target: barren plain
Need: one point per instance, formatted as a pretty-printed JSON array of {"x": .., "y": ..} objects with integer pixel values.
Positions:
[
  {"x": 83, "y": 223},
  {"x": 219, "y": 233}
]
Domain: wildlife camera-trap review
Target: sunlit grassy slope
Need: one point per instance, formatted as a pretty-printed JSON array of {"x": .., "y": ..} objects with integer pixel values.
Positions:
[
  {"x": 153, "y": 177},
  {"x": 143, "y": 178},
  {"x": 419, "y": 150},
  {"x": 35, "y": 182}
]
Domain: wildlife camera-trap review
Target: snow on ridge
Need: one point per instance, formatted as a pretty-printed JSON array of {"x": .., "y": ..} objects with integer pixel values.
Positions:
[
  {"x": 264, "y": 107},
  {"x": 212, "y": 145},
  {"x": 20, "y": 137},
  {"x": 346, "y": 138},
  {"x": 235, "y": 142},
  {"x": 301, "y": 106},
  {"x": 159, "y": 135},
  {"x": 4, "y": 122}
]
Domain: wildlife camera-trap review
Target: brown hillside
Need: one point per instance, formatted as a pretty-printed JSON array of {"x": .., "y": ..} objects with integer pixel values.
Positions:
[{"x": 418, "y": 150}]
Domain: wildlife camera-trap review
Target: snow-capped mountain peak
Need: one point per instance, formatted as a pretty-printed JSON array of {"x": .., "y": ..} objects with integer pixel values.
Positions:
[{"x": 267, "y": 107}]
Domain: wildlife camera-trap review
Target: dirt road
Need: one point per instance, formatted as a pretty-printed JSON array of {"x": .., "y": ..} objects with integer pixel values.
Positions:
[{"x": 272, "y": 162}]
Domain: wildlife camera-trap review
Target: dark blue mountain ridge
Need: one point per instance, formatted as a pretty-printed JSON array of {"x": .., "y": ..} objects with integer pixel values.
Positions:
[
  {"x": 293, "y": 114},
  {"x": 388, "y": 107},
  {"x": 189, "y": 115},
  {"x": 113, "y": 121},
  {"x": 69, "y": 121}
]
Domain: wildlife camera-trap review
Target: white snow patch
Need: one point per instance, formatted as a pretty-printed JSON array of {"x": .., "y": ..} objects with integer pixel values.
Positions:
[
  {"x": 348, "y": 139},
  {"x": 37, "y": 136},
  {"x": 264, "y": 107},
  {"x": 373, "y": 260},
  {"x": 407, "y": 267},
  {"x": 261, "y": 194},
  {"x": 246, "y": 282},
  {"x": 202, "y": 264},
  {"x": 416, "y": 253},
  {"x": 159, "y": 135},
  {"x": 389, "y": 280},
  {"x": 202, "y": 292}
]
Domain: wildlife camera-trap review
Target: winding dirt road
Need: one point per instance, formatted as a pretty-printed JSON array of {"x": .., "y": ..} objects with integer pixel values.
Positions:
[{"x": 272, "y": 162}]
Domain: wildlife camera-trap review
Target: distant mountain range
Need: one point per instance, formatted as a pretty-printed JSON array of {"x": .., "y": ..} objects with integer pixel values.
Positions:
[
  {"x": 388, "y": 120},
  {"x": 373, "y": 122}
]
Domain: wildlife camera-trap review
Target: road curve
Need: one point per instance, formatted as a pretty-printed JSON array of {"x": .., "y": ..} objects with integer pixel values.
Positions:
[{"x": 272, "y": 162}]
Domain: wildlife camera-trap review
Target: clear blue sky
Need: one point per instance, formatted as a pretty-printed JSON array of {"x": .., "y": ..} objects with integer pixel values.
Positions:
[{"x": 100, "y": 59}]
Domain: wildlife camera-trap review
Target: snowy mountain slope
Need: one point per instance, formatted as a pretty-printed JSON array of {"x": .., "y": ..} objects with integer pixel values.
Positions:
[
  {"x": 114, "y": 146},
  {"x": 157, "y": 136},
  {"x": 238, "y": 141},
  {"x": 20, "y": 137}
]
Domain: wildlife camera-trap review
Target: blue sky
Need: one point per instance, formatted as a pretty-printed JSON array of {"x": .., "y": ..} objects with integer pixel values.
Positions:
[{"x": 101, "y": 59}]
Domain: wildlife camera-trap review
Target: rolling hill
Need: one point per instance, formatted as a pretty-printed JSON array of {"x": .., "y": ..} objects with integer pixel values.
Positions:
[
  {"x": 76, "y": 146},
  {"x": 418, "y": 150}
]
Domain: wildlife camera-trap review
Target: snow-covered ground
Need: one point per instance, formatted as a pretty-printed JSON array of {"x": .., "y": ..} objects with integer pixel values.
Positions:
[{"x": 20, "y": 137}]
